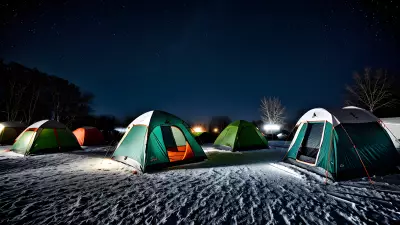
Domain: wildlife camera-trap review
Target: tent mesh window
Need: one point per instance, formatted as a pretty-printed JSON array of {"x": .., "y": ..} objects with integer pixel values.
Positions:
[{"x": 310, "y": 146}]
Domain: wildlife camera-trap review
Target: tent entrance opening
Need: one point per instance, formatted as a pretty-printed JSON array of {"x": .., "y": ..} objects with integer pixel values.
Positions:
[
  {"x": 176, "y": 144},
  {"x": 311, "y": 144}
]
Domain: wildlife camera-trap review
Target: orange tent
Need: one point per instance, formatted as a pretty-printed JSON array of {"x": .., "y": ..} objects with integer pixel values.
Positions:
[{"x": 89, "y": 136}]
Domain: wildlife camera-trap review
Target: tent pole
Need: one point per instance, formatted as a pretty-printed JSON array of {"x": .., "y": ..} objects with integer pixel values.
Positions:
[
  {"x": 355, "y": 148},
  {"x": 108, "y": 149},
  {"x": 58, "y": 141}
]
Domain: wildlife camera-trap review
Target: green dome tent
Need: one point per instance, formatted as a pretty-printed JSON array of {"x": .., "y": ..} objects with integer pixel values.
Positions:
[
  {"x": 46, "y": 136},
  {"x": 241, "y": 135},
  {"x": 9, "y": 131},
  {"x": 158, "y": 139},
  {"x": 343, "y": 144}
]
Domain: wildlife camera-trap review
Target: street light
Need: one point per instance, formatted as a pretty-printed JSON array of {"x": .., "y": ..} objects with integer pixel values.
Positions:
[{"x": 271, "y": 127}]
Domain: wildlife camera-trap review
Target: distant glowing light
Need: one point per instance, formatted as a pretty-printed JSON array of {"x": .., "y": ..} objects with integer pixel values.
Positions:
[
  {"x": 281, "y": 135},
  {"x": 215, "y": 130},
  {"x": 272, "y": 127},
  {"x": 120, "y": 129},
  {"x": 1, "y": 127},
  {"x": 198, "y": 129}
]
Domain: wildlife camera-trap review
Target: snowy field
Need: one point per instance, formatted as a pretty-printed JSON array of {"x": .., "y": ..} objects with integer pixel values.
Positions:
[{"x": 230, "y": 188}]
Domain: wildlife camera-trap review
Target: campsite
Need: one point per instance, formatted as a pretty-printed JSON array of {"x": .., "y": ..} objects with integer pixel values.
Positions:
[
  {"x": 201, "y": 112},
  {"x": 159, "y": 174}
]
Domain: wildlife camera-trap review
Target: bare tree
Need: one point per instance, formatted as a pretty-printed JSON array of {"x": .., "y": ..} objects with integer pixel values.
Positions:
[
  {"x": 272, "y": 110},
  {"x": 30, "y": 110},
  {"x": 371, "y": 91},
  {"x": 13, "y": 101},
  {"x": 29, "y": 95}
]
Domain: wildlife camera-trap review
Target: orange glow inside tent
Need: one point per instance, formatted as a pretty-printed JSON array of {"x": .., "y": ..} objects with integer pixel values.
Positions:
[{"x": 88, "y": 136}]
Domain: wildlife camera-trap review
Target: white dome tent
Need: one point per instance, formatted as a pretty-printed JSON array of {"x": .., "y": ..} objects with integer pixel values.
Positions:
[{"x": 343, "y": 144}]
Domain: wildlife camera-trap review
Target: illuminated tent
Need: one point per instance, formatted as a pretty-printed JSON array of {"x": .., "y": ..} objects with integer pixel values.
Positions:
[
  {"x": 158, "y": 139},
  {"x": 9, "y": 131},
  {"x": 88, "y": 136},
  {"x": 46, "y": 136},
  {"x": 342, "y": 144},
  {"x": 241, "y": 135}
]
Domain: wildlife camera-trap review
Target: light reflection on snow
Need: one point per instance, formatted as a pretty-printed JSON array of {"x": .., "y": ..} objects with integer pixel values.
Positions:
[
  {"x": 6, "y": 151},
  {"x": 280, "y": 168},
  {"x": 103, "y": 164}
]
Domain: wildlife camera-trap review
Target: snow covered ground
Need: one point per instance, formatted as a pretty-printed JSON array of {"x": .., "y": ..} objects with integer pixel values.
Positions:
[
  {"x": 279, "y": 144},
  {"x": 230, "y": 188}
]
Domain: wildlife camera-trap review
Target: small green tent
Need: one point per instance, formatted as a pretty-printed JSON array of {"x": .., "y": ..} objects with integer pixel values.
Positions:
[
  {"x": 9, "y": 131},
  {"x": 46, "y": 136},
  {"x": 158, "y": 139},
  {"x": 241, "y": 135},
  {"x": 342, "y": 144}
]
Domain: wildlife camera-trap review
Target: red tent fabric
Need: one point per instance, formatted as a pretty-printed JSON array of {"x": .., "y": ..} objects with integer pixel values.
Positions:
[{"x": 89, "y": 136}]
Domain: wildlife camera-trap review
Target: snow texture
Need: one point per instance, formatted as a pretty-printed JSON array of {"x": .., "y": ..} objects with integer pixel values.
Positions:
[{"x": 254, "y": 187}]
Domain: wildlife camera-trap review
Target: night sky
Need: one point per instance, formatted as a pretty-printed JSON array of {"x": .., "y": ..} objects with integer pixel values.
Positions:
[{"x": 197, "y": 59}]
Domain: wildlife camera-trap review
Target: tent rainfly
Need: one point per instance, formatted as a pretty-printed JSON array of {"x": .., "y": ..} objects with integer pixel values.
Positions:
[
  {"x": 241, "y": 135},
  {"x": 46, "y": 136},
  {"x": 89, "y": 136},
  {"x": 343, "y": 144},
  {"x": 9, "y": 131},
  {"x": 157, "y": 139}
]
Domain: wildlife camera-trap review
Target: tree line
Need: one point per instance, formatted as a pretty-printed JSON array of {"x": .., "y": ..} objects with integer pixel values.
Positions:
[{"x": 29, "y": 95}]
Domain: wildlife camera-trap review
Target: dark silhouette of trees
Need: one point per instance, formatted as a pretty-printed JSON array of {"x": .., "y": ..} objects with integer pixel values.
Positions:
[
  {"x": 105, "y": 122},
  {"x": 391, "y": 111},
  {"x": 376, "y": 91},
  {"x": 372, "y": 90},
  {"x": 29, "y": 95}
]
